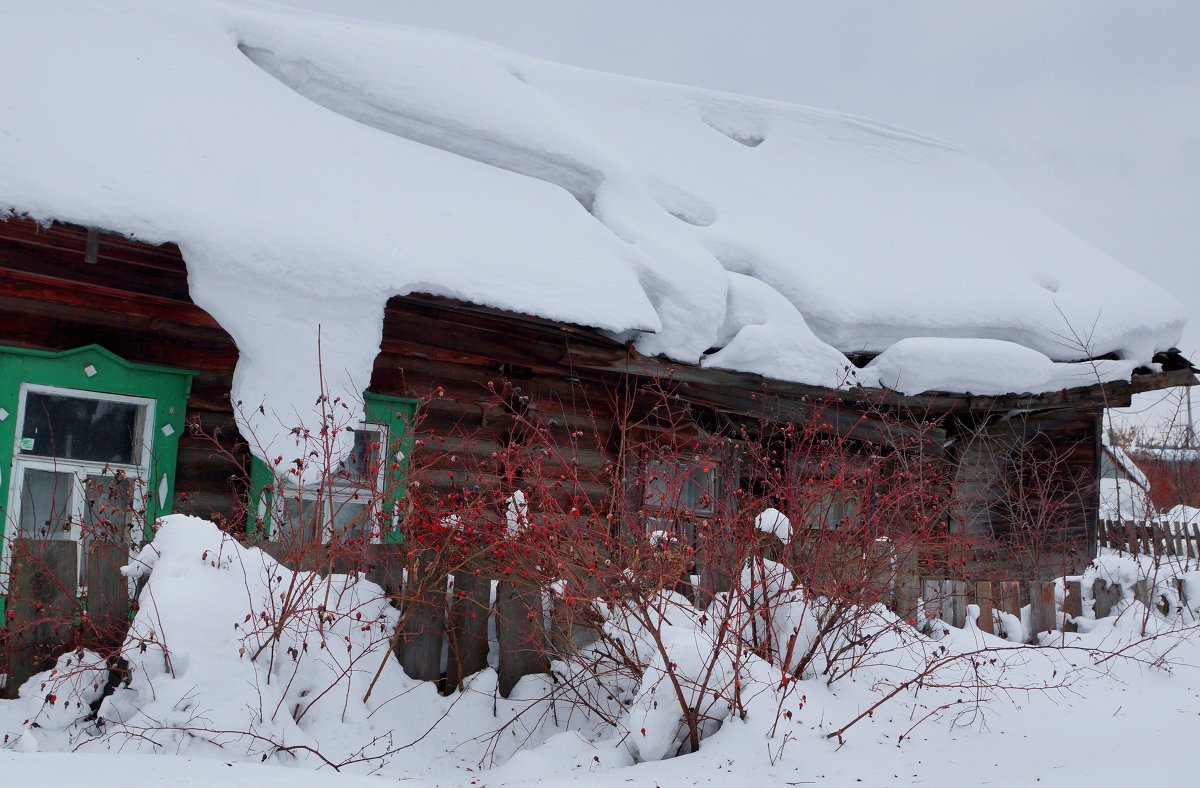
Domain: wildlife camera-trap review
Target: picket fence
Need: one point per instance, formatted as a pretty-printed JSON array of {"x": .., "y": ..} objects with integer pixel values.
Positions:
[{"x": 1155, "y": 538}]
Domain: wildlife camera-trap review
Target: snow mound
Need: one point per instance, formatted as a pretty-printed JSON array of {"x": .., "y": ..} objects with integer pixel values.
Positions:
[
  {"x": 984, "y": 367},
  {"x": 1182, "y": 513},
  {"x": 240, "y": 651},
  {"x": 773, "y": 521},
  {"x": 310, "y": 167},
  {"x": 1122, "y": 499}
]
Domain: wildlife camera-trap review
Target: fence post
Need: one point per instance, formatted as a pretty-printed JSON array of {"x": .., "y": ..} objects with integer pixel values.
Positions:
[
  {"x": 520, "y": 632},
  {"x": 1041, "y": 600},
  {"x": 955, "y": 593},
  {"x": 1106, "y": 596},
  {"x": 1142, "y": 591},
  {"x": 41, "y": 604},
  {"x": 715, "y": 564},
  {"x": 1007, "y": 599},
  {"x": 468, "y": 631},
  {"x": 1147, "y": 534},
  {"x": 908, "y": 591},
  {"x": 423, "y": 619},
  {"x": 1073, "y": 602},
  {"x": 1131, "y": 545},
  {"x": 984, "y": 599},
  {"x": 933, "y": 601}
]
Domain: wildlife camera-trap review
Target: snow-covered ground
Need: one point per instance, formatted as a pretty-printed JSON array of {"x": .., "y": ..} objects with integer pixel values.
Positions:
[{"x": 1115, "y": 702}]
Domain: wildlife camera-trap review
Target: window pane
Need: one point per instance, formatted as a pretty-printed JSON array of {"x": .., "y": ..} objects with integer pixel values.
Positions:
[
  {"x": 108, "y": 507},
  {"x": 689, "y": 488},
  {"x": 107, "y": 513},
  {"x": 698, "y": 490},
  {"x": 79, "y": 428},
  {"x": 299, "y": 522},
  {"x": 831, "y": 512},
  {"x": 657, "y": 483},
  {"x": 362, "y": 464},
  {"x": 45, "y": 504},
  {"x": 351, "y": 520}
]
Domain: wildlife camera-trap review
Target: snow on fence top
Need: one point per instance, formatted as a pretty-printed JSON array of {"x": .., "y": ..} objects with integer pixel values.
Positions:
[{"x": 310, "y": 167}]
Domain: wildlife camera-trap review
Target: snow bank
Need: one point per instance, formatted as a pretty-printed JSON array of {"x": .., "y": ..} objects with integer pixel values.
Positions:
[
  {"x": 240, "y": 651},
  {"x": 1122, "y": 499},
  {"x": 233, "y": 655},
  {"x": 1182, "y": 513},
  {"x": 191, "y": 677},
  {"x": 310, "y": 167},
  {"x": 984, "y": 367},
  {"x": 773, "y": 521}
]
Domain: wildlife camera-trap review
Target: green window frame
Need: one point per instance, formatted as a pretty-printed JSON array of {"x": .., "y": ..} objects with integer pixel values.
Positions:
[
  {"x": 395, "y": 415},
  {"x": 93, "y": 370}
]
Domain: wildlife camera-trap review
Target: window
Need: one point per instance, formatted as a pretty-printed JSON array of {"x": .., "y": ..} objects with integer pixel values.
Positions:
[
  {"x": 88, "y": 444},
  {"x": 361, "y": 499},
  {"x": 677, "y": 494},
  {"x": 834, "y": 509}
]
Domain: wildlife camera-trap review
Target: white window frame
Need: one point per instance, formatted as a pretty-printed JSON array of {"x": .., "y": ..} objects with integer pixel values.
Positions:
[
  {"x": 138, "y": 474},
  {"x": 336, "y": 494}
]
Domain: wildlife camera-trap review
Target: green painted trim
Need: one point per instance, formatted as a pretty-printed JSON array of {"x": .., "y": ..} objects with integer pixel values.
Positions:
[
  {"x": 111, "y": 374},
  {"x": 101, "y": 352},
  {"x": 395, "y": 413},
  {"x": 261, "y": 492}
]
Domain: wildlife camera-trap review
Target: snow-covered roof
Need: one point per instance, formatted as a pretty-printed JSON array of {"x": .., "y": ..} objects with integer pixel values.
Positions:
[
  {"x": 1122, "y": 465},
  {"x": 309, "y": 167}
]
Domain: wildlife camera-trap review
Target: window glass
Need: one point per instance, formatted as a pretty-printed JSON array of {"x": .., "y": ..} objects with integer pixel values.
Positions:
[
  {"x": 46, "y": 504},
  {"x": 107, "y": 513},
  {"x": 303, "y": 520},
  {"x": 362, "y": 463},
  {"x": 679, "y": 486},
  {"x": 81, "y": 428},
  {"x": 108, "y": 506},
  {"x": 298, "y": 524},
  {"x": 351, "y": 520},
  {"x": 831, "y": 511}
]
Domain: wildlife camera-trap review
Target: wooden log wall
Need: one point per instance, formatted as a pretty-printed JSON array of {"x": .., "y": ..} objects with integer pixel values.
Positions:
[
  {"x": 1027, "y": 489},
  {"x": 133, "y": 301},
  {"x": 471, "y": 364}
]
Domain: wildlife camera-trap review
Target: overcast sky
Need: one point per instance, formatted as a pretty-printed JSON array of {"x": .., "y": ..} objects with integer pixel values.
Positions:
[{"x": 1091, "y": 108}]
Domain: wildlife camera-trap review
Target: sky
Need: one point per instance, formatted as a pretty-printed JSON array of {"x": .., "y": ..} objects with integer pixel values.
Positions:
[{"x": 1090, "y": 108}]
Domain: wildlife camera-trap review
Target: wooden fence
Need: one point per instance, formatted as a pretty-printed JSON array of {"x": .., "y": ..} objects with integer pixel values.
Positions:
[
  {"x": 1151, "y": 538},
  {"x": 445, "y": 637},
  {"x": 45, "y": 611}
]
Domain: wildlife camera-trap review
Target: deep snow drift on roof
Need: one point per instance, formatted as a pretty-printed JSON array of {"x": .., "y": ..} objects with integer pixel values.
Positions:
[{"x": 311, "y": 167}]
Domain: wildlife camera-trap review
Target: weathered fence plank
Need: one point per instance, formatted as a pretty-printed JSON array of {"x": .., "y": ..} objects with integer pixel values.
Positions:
[
  {"x": 108, "y": 602},
  {"x": 985, "y": 600},
  {"x": 933, "y": 598},
  {"x": 41, "y": 604},
  {"x": 520, "y": 632},
  {"x": 955, "y": 592},
  {"x": 1073, "y": 602},
  {"x": 468, "y": 632},
  {"x": 423, "y": 619},
  {"x": 908, "y": 591},
  {"x": 1105, "y": 596},
  {"x": 1041, "y": 600},
  {"x": 1008, "y": 597}
]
